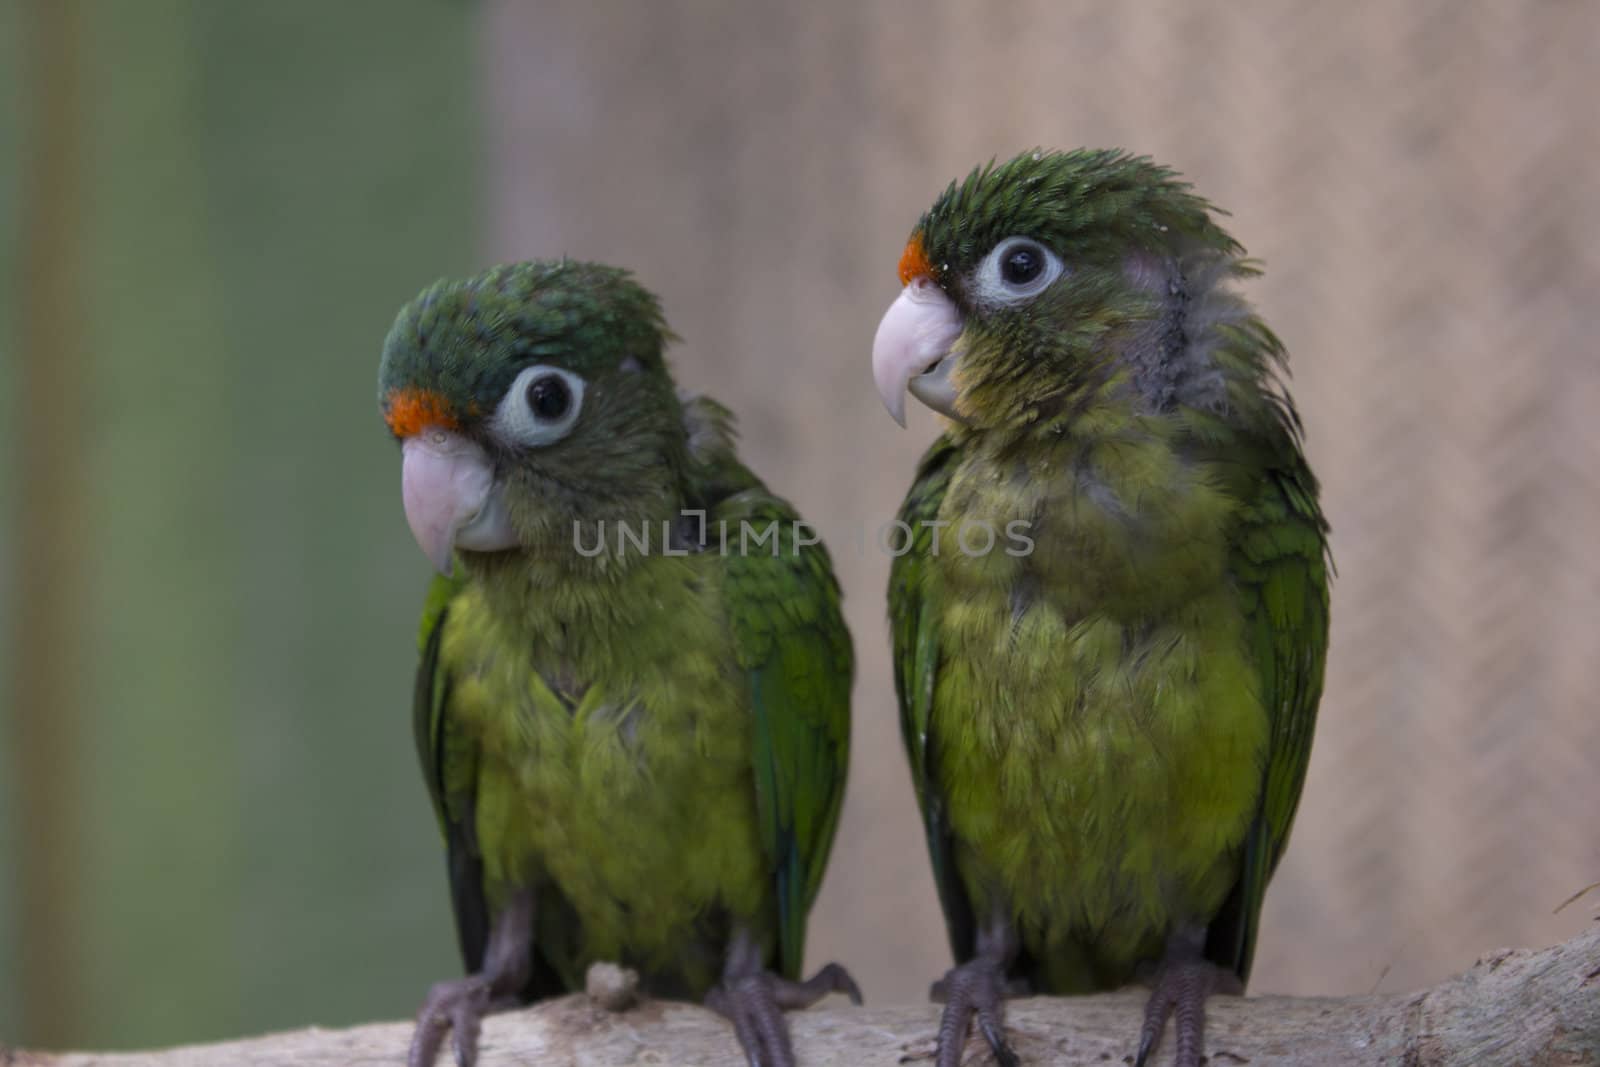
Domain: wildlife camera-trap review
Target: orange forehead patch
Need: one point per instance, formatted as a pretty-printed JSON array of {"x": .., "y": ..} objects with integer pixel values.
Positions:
[
  {"x": 914, "y": 261},
  {"x": 408, "y": 412}
]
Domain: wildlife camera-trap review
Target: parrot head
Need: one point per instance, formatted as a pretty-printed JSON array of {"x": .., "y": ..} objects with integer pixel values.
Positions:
[
  {"x": 1037, "y": 278},
  {"x": 526, "y": 398}
]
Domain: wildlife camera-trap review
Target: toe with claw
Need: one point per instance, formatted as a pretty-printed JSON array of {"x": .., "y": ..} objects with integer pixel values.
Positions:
[
  {"x": 754, "y": 1000},
  {"x": 457, "y": 1007},
  {"x": 975, "y": 993},
  {"x": 1182, "y": 982}
]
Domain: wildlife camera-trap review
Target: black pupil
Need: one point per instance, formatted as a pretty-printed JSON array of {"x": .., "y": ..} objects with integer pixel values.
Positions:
[
  {"x": 549, "y": 397},
  {"x": 1022, "y": 265}
]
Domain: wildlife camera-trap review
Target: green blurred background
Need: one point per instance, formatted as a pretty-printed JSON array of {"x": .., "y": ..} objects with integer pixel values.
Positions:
[
  {"x": 210, "y": 211},
  {"x": 240, "y": 839}
]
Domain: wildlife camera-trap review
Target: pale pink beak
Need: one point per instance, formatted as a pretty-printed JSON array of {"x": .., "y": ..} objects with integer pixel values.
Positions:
[
  {"x": 912, "y": 350},
  {"x": 451, "y": 499}
]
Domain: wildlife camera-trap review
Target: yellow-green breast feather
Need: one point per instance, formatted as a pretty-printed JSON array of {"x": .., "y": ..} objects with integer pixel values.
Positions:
[{"x": 661, "y": 757}]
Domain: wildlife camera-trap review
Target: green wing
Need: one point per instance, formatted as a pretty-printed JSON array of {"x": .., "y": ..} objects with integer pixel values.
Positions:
[
  {"x": 783, "y": 608},
  {"x": 450, "y": 769},
  {"x": 449, "y": 758},
  {"x": 1280, "y": 569},
  {"x": 916, "y": 657}
]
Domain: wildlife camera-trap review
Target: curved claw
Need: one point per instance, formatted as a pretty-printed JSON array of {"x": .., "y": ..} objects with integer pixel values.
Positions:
[
  {"x": 455, "y": 1007},
  {"x": 460, "y": 1004},
  {"x": 755, "y": 1002},
  {"x": 831, "y": 978},
  {"x": 466, "y": 1022},
  {"x": 751, "y": 1004},
  {"x": 973, "y": 992},
  {"x": 1181, "y": 989}
]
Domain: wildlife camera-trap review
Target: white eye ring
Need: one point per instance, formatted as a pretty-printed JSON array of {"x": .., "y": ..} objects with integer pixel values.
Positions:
[
  {"x": 992, "y": 288},
  {"x": 533, "y": 417}
]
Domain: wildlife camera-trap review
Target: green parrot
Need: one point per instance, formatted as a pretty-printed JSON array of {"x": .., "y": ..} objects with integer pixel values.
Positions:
[
  {"x": 632, "y": 705},
  {"x": 1109, "y": 606}
]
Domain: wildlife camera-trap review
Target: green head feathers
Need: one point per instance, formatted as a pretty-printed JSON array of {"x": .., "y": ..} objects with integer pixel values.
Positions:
[
  {"x": 1090, "y": 206},
  {"x": 464, "y": 342},
  {"x": 1047, "y": 283},
  {"x": 526, "y": 397}
]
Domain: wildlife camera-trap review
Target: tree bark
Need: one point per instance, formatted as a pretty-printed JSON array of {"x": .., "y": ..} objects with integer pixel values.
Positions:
[{"x": 1512, "y": 1007}]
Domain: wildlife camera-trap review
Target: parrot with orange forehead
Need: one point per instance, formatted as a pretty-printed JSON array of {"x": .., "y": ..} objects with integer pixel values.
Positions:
[
  {"x": 632, "y": 721},
  {"x": 1109, "y": 720}
]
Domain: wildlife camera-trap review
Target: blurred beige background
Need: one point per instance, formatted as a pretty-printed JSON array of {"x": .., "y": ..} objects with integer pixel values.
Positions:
[
  {"x": 1420, "y": 180},
  {"x": 211, "y": 822}
]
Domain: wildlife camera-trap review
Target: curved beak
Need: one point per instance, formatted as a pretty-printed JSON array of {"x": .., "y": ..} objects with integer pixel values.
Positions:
[
  {"x": 912, "y": 350},
  {"x": 451, "y": 499}
]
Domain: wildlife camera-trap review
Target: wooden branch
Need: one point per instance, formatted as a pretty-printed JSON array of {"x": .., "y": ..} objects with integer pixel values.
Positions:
[{"x": 1512, "y": 1007}]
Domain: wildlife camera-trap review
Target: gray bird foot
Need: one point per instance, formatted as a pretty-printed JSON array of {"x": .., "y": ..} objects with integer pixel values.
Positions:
[
  {"x": 1181, "y": 985},
  {"x": 754, "y": 1000},
  {"x": 456, "y": 1007},
  {"x": 975, "y": 991},
  {"x": 459, "y": 1005}
]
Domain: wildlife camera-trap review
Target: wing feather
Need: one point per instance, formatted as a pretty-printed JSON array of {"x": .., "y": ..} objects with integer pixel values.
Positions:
[
  {"x": 1280, "y": 570},
  {"x": 791, "y": 641},
  {"x": 916, "y": 660}
]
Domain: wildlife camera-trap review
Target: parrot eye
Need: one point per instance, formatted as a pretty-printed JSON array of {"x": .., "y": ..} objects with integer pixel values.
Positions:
[
  {"x": 1021, "y": 265},
  {"x": 541, "y": 407},
  {"x": 1015, "y": 270},
  {"x": 548, "y": 398}
]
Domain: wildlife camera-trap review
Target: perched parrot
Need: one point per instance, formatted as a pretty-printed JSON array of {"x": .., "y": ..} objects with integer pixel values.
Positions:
[
  {"x": 1111, "y": 612},
  {"x": 632, "y": 706}
]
